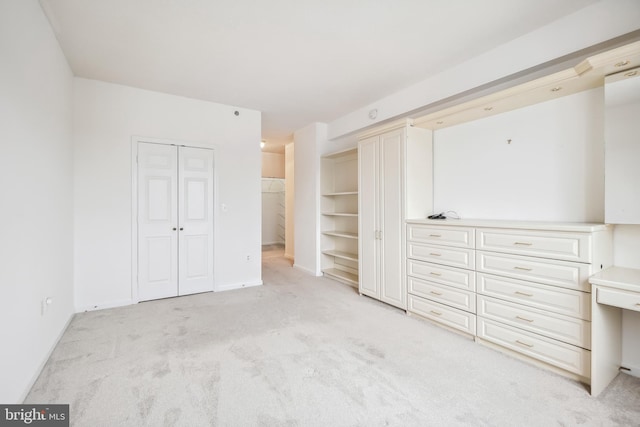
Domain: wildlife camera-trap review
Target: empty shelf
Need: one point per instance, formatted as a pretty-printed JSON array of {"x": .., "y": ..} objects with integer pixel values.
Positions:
[
  {"x": 341, "y": 193},
  {"x": 340, "y": 214},
  {"x": 346, "y": 234},
  {"x": 341, "y": 254},
  {"x": 342, "y": 275}
]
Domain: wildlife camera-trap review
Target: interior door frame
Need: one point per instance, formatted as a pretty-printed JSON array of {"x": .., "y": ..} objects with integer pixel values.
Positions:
[{"x": 135, "y": 140}]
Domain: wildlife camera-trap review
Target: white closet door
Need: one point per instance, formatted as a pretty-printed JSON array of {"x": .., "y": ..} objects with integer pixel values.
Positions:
[
  {"x": 157, "y": 221},
  {"x": 195, "y": 214},
  {"x": 392, "y": 290},
  {"x": 368, "y": 218}
]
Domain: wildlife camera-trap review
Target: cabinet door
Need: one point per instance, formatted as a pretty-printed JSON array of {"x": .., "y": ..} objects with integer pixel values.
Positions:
[
  {"x": 391, "y": 207},
  {"x": 368, "y": 218}
]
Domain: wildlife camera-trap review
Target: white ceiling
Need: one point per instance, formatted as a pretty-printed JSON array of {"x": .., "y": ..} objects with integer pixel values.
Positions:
[{"x": 297, "y": 61}]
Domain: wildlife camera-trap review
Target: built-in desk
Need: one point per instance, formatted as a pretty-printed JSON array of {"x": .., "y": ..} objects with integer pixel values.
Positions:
[{"x": 613, "y": 289}]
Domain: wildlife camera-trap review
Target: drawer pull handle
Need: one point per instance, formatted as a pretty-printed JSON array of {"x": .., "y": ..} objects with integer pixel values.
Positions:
[
  {"x": 523, "y": 294},
  {"x": 524, "y": 343},
  {"x": 638, "y": 304},
  {"x": 435, "y": 293},
  {"x": 525, "y": 319},
  {"x": 435, "y": 254},
  {"x": 437, "y": 313},
  {"x": 522, "y": 268},
  {"x": 439, "y": 274},
  {"x": 523, "y": 243},
  {"x": 435, "y": 235}
]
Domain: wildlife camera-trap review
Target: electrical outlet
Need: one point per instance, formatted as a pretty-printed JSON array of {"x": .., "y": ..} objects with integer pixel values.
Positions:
[
  {"x": 46, "y": 302},
  {"x": 248, "y": 257}
]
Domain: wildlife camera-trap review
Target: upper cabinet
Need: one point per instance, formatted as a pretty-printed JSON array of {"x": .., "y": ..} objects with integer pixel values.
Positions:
[{"x": 622, "y": 147}]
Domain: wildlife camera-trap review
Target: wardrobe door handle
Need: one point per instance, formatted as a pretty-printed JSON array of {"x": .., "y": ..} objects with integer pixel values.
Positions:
[
  {"x": 181, "y": 228},
  {"x": 174, "y": 229}
]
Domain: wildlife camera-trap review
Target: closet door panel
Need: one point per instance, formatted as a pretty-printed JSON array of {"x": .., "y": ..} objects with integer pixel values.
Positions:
[
  {"x": 157, "y": 221},
  {"x": 368, "y": 218},
  {"x": 391, "y": 190},
  {"x": 195, "y": 210}
]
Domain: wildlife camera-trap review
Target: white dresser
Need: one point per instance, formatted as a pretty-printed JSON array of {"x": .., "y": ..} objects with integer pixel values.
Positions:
[{"x": 518, "y": 286}]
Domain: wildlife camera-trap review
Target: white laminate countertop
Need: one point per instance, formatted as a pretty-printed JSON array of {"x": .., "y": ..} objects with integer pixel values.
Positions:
[
  {"x": 626, "y": 279},
  {"x": 584, "y": 227}
]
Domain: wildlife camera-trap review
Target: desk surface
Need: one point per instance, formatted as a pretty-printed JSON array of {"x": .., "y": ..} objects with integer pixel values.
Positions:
[{"x": 627, "y": 279}]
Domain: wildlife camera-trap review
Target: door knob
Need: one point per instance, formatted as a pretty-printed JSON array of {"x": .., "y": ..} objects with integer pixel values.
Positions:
[
  {"x": 181, "y": 228},
  {"x": 174, "y": 229}
]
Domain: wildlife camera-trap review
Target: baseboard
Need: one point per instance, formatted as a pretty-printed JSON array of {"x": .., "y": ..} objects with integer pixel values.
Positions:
[
  {"x": 103, "y": 306},
  {"x": 232, "y": 286},
  {"x": 24, "y": 394},
  {"x": 306, "y": 270},
  {"x": 634, "y": 371}
]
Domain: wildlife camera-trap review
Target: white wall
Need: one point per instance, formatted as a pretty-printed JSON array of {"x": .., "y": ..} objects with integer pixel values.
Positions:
[
  {"x": 308, "y": 142},
  {"x": 553, "y": 170},
  {"x": 272, "y": 165},
  {"x": 106, "y": 116},
  {"x": 35, "y": 193},
  {"x": 594, "y": 24},
  {"x": 289, "y": 172}
]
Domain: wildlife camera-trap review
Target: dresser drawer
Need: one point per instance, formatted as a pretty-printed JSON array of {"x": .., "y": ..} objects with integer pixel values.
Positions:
[
  {"x": 618, "y": 298},
  {"x": 449, "y": 236},
  {"x": 571, "y": 275},
  {"x": 457, "y": 319},
  {"x": 455, "y": 257},
  {"x": 544, "y": 244},
  {"x": 563, "y": 328},
  {"x": 568, "y": 357},
  {"x": 457, "y": 298},
  {"x": 451, "y": 276},
  {"x": 551, "y": 298}
]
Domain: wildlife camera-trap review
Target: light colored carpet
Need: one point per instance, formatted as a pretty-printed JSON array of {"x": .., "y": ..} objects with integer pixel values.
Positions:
[{"x": 302, "y": 351}]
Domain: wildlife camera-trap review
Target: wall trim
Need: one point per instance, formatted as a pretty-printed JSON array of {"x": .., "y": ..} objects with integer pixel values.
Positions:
[
  {"x": 232, "y": 286},
  {"x": 306, "y": 270},
  {"x": 106, "y": 305},
  {"x": 45, "y": 359}
]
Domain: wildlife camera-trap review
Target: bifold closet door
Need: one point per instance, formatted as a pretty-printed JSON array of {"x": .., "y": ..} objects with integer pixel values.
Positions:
[
  {"x": 175, "y": 220},
  {"x": 195, "y": 199}
]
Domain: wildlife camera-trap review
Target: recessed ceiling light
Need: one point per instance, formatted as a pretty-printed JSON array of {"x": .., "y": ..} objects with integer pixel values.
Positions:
[
  {"x": 556, "y": 89},
  {"x": 631, "y": 73},
  {"x": 263, "y": 143},
  {"x": 622, "y": 63}
]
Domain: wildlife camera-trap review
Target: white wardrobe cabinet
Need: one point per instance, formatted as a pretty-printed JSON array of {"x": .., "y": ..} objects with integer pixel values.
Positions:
[
  {"x": 395, "y": 174},
  {"x": 175, "y": 220}
]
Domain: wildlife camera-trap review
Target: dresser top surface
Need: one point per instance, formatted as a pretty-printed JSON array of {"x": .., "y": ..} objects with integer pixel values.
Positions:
[
  {"x": 627, "y": 279},
  {"x": 524, "y": 225}
]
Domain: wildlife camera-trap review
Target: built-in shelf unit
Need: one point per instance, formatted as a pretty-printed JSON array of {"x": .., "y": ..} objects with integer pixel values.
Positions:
[{"x": 339, "y": 208}]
